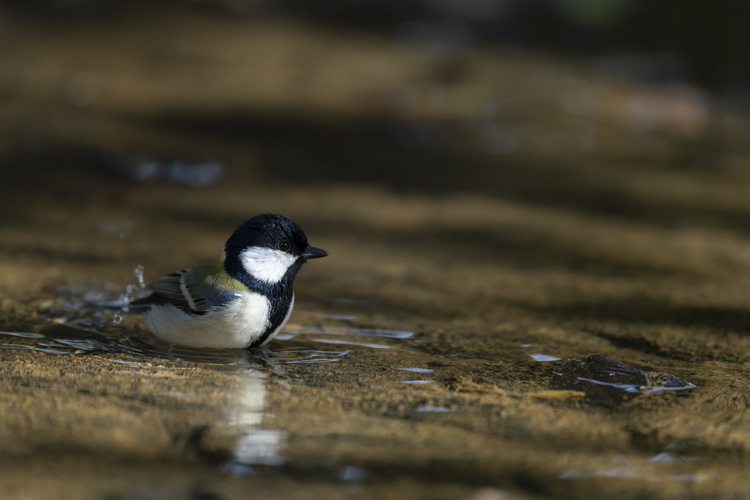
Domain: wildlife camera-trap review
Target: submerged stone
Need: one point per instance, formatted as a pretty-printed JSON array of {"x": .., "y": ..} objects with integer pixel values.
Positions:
[{"x": 611, "y": 382}]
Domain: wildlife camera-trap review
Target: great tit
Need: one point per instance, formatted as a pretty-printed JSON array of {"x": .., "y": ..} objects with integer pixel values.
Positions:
[{"x": 241, "y": 300}]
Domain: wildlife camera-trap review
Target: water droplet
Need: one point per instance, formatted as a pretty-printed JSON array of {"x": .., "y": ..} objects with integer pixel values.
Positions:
[{"x": 138, "y": 273}]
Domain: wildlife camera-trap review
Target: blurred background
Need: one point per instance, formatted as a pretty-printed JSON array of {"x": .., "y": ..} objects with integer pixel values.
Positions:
[{"x": 581, "y": 104}]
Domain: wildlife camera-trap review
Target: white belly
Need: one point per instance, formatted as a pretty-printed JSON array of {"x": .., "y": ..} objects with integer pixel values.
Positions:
[{"x": 237, "y": 325}]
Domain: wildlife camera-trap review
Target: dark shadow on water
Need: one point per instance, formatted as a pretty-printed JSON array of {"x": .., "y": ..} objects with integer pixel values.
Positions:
[
  {"x": 300, "y": 151},
  {"x": 297, "y": 151},
  {"x": 630, "y": 316},
  {"x": 530, "y": 250},
  {"x": 720, "y": 319},
  {"x": 406, "y": 157}
]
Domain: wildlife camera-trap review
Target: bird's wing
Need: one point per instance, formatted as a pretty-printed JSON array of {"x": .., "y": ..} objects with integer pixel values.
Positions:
[
  {"x": 168, "y": 290},
  {"x": 195, "y": 291}
]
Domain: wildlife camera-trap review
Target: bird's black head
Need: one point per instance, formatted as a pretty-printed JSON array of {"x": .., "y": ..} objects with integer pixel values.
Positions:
[
  {"x": 268, "y": 248},
  {"x": 268, "y": 231}
]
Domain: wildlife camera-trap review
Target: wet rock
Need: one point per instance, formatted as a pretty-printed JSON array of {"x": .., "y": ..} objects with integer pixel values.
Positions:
[{"x": 611, "y": 382}]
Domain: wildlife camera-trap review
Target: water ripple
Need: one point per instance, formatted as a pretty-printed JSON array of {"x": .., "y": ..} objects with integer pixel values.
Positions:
[
  {"x": 342, "y": 330},
  {"x": 416, "y": 370},
  {"x": 344, "y": 342}
]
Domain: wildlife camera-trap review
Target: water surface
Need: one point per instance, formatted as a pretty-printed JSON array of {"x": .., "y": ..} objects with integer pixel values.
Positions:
[{"x": 479, "y": 240}]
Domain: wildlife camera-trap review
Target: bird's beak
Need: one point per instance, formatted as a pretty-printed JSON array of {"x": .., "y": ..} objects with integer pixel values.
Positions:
[{"x": 314, "y": 253}]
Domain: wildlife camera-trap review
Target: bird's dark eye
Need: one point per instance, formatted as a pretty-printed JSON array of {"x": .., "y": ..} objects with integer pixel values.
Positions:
[{"x": 283, "y": 245}]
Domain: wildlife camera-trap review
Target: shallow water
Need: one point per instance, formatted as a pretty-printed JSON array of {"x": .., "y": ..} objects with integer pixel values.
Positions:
[
  {"x": 475, "y": 248},
  {"x": 342, "y": 404}
]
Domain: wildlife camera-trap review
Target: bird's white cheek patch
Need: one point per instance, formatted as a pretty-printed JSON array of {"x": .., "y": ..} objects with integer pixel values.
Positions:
[{"x": 266, "y": 264}]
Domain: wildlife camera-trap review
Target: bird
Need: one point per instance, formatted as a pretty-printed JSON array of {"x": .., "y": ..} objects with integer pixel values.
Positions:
[{"x": 241, "y": 300}]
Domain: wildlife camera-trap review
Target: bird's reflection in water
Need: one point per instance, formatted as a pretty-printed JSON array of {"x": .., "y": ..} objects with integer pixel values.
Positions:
[{"x": 250, "y": 416}]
